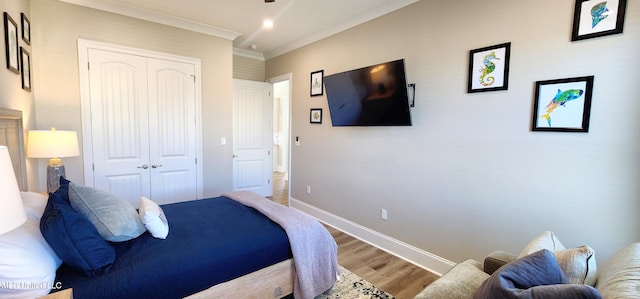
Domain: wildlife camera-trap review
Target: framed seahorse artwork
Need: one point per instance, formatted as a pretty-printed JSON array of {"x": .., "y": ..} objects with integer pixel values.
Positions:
[
  {"x": 595, "y": 18},
  {"x": 489, "y": 68},
  {"x": 562, "y": 105}
]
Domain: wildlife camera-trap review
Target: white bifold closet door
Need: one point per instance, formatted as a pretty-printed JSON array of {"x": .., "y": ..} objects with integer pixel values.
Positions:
[{"x": 143, "y": 127}]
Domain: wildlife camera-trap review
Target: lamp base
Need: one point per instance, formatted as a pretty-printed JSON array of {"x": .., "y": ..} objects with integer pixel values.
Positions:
[{"x": 53, "y": 177}]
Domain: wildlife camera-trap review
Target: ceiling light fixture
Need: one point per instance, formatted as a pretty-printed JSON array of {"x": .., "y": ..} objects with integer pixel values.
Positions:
[{"x": 267, "y": 24}]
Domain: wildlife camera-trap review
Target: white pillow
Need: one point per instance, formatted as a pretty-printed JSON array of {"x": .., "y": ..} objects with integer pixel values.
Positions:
[
  {"x": 27, "y": 264},
  {"x": 34, "y": 204},
  {"x": 546, "y": 240},
  {"x": 153, "y": 218}
]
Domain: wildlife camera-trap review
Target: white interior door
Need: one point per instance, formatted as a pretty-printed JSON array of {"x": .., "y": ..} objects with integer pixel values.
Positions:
[
  {"x": 120, "y": 124},
  {"x": 252, "y": 136},
  {"x": 172, "y": 152},
  {"x": 143, "y": 127}
]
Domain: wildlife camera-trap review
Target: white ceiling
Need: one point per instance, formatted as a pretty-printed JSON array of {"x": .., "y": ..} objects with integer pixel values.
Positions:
[{"x": 296, "y": 22}]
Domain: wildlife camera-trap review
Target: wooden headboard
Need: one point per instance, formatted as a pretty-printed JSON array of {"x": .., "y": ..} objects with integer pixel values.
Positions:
[{"x": 12, "y": 136}]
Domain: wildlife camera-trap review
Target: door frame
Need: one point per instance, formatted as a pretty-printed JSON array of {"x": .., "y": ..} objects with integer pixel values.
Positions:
[
  {"x": 276, "y": 79},
  {"x": 85, "y": 100}
]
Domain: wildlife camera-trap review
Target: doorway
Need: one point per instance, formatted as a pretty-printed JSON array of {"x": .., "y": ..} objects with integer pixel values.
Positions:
[{"x": 281, "y": 137}]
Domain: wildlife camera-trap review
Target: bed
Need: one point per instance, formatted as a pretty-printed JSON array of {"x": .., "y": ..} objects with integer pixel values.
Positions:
[{"x": 236, "y": 245}]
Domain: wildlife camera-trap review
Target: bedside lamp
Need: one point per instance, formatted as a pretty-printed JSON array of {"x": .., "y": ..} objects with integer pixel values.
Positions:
[
  {"x": 53, "y": 145},
  {"x": 12, "y": 212}
]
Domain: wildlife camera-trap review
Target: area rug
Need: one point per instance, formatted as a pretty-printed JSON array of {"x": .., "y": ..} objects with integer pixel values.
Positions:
[{"x": 352, "y": 286}]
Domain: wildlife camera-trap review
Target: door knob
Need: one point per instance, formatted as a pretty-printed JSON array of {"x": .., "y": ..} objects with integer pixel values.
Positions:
[
  {"x": 235, "y": 156},
  {"x": 144, "y": 166},
  {"x": 156, "y": 165}
]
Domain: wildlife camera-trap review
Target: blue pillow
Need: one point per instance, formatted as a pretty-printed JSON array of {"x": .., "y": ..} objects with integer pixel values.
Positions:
[
  {"x": 537, "y": 275},
  {"x": 63, "y": 189},
  {"x": 74, "y": 239}
]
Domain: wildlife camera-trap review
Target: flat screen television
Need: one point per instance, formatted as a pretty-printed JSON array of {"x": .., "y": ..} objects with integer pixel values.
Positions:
[{"x": 370, "y": 96}]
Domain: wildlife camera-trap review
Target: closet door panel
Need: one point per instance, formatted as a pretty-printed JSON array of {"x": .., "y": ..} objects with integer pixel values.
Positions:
[
  {"x": 172, "y": 124},
  {"x": 119, "y": 123}
]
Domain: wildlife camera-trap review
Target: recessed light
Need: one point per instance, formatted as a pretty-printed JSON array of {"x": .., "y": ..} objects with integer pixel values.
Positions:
[{"x": 267, "y": 24}]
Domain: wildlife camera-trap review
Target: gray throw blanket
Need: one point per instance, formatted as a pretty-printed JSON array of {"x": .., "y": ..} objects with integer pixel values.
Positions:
[{"x": 315, "y": 252}]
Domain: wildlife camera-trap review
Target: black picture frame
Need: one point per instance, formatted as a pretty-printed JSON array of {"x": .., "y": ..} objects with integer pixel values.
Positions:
[
  {"x": 489, "y": 68},
  {"x": 25, "y": 60},
  {"x": 26, "y": 29},
  {"x": 316, "y": 84},
  {"x": 315, "y": 115},
  {"x": 11, "y": 43},
  {"x": 569, "y": 100},
  {"x": 596, "y": 18}
]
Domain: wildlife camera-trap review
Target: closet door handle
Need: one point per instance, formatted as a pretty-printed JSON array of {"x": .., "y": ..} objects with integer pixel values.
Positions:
[
  {"x": 144, "y": 166},
  {"x": 156, "y": 165}
]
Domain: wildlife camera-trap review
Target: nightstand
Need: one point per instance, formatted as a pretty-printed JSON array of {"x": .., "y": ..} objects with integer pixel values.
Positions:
[{"x": 64, "y": 294}]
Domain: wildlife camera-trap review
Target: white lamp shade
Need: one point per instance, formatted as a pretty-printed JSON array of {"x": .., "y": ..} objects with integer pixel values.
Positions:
[
  {"x": 12, "y": 212},
  {"x": 52, "y": 144}
]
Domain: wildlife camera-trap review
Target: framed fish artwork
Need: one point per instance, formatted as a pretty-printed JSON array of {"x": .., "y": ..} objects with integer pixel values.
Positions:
[
  {"x": 489, "y": 68},
  {"x": 562, "y": 105},
  {"x": 595, "y": 18}
]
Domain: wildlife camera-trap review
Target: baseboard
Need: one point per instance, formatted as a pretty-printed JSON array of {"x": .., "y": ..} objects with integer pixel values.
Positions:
[{"x": 398, "y": 248}]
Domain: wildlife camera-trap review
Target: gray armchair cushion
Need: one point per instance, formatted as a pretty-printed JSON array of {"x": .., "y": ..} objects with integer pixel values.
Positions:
[
  {"x": 461, "y": 282},
  {"x": 497, "y": 259},
  {"x": 620, "y": 277}
]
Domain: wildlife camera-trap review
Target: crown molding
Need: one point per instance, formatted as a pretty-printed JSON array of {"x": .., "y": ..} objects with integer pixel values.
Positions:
[
  {"x": 151, "y": 16},
  {"x": 248, "y": 53}
]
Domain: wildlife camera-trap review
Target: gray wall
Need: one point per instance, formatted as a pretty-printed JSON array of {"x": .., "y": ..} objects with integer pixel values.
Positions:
[
  {"x": 469, "y": 177},
  {"x": 12, "y": 96},
  {"x": 56, "y": 27}
]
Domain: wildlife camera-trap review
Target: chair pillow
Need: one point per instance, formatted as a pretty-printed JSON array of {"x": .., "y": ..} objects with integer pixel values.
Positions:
[
  {"x": 578, "y": 264},
  {"x": 114, "y": 218},
  {"x": 74, "y": 239},
  {"x": 546, "y": 240},
  {"x": 153, "y": 218},
  {"x": 537, "y": 275}
]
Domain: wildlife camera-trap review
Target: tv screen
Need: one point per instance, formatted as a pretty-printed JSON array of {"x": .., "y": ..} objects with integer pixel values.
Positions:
[{"x": 371, "y": 96}]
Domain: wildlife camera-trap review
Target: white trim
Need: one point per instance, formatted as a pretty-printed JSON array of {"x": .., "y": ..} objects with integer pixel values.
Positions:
[
  {"x": 412, "y": 254},
  {"x": 85, "y": 100},
  {"x": 152, "y": 16}
]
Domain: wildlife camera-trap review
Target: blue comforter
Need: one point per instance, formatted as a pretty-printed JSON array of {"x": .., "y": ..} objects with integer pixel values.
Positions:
[{"x": 210, "y": 241}]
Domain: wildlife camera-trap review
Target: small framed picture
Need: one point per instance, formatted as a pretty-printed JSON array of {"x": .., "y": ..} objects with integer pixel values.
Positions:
[
  {"x": 562, "y": 105},
  {"x": 489, "y": 68},
  {"x": 11, "y": 43},
  {"x": 316, "y": 83},
  {"x": 315, "y": 116},
  {"x": 25, "y": 59},
  {"x": 595, "y": 18},
  {"x": 26, "y": 29}
]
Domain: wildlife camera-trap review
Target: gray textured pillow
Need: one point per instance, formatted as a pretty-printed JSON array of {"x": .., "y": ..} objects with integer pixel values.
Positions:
[{"x": 114, "y": 218}]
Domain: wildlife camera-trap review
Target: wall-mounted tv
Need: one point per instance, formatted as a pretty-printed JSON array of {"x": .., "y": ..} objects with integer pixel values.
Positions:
[{"x": 371, "y": 96}]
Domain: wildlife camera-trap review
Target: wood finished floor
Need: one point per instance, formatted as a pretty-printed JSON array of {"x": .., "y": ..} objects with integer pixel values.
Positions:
[{"x": 386, "y": 271}]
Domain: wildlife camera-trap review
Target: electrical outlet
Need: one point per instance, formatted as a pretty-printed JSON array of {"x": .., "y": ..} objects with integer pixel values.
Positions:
[
  {"x": 383, "y": 214},
  {"x": 308, "y": 189}
]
